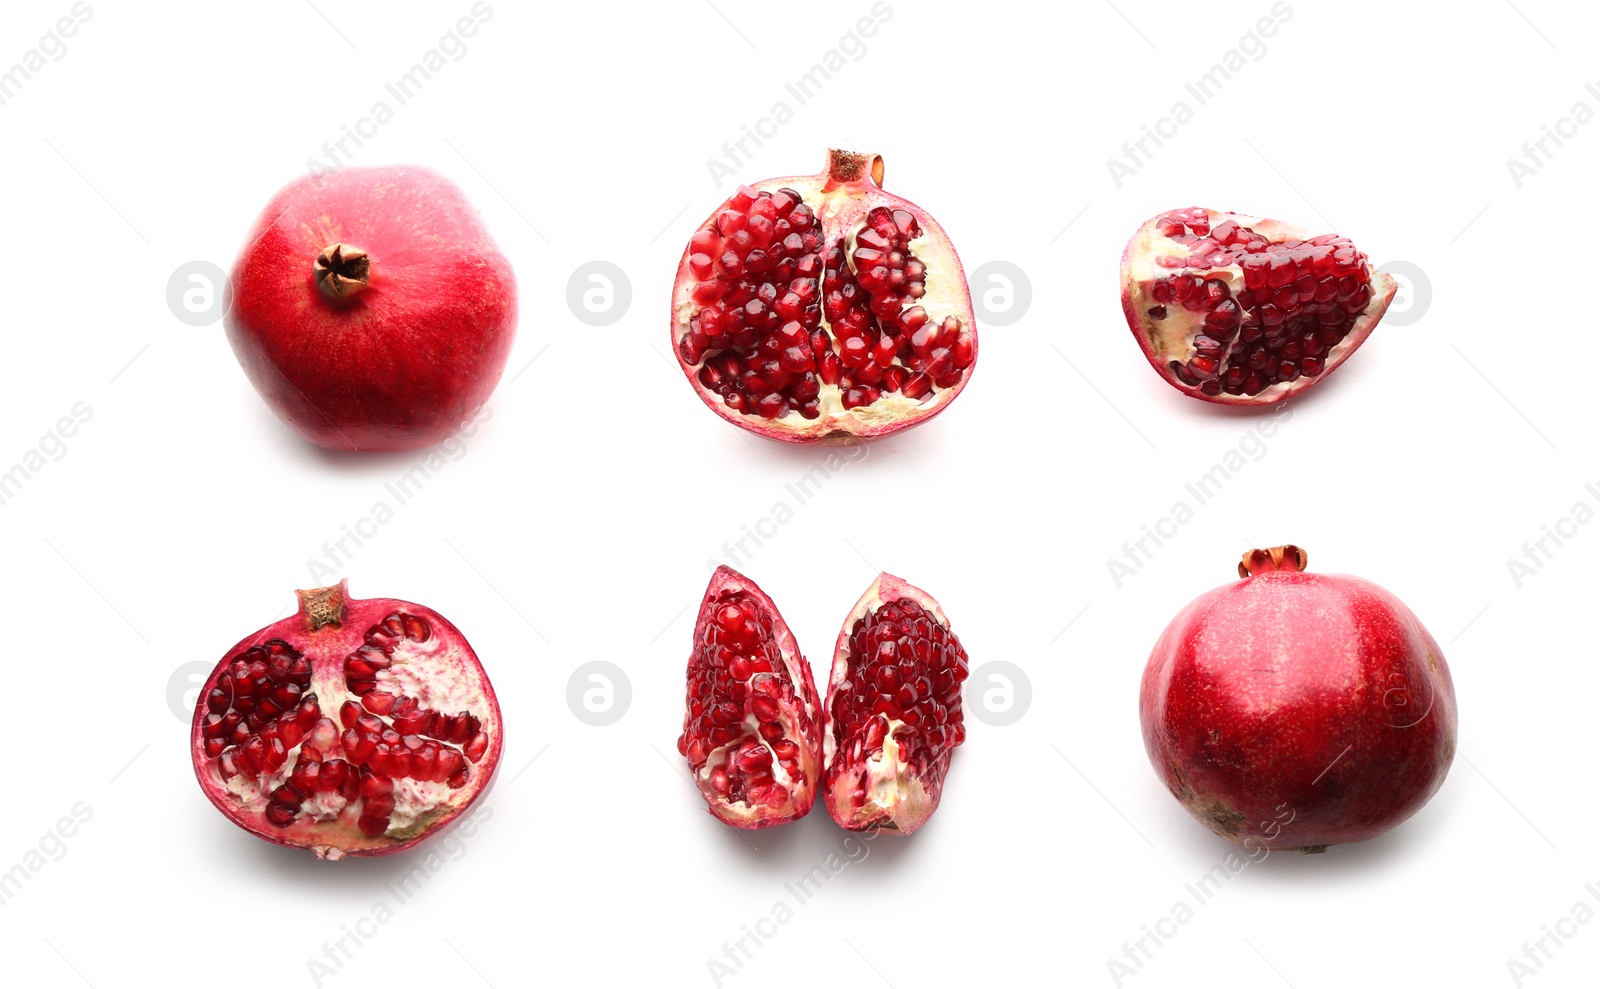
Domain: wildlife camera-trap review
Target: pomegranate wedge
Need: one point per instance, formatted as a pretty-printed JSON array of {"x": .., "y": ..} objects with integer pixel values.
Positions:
[
  {"x": 1240, "y": 310},
  {"x": 894, "y": 710},
  {"x": 750, "y": 716}
]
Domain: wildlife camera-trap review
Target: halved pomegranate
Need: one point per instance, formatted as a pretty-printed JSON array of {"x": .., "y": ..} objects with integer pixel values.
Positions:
[
  {"x": 894, "y": 710},
  {"x": 394, "y": 768},
  {"x": 822, "y": 307},
  {"x": 1241, "y": 310},
  {"x": 750, "y": 717}
]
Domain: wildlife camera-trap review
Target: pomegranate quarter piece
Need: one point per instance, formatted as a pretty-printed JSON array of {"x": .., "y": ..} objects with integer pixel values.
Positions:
[
  {"x": 894, "y": 710},
  {"x": 750, "y": 720},
  {"x": 820, "y": 308},
  {"x": 350, "y": 728},
  {"x": 371, "y": 310},
  {"x": 1240, "y": 310},
  {"x": 1294, "y": 710}
]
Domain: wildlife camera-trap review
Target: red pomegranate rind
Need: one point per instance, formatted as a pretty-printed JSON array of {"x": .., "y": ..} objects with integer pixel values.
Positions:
[
  {"x": 820, "y": 308},
  {"x": 893, "y": 711},
  {"x": 371, "y": 309},
  {"x": 1241, "y": 310},
  {"x": 751, "y": 719},
  {"x": 354, "y": 727},
  {"x": 1293, "y": 711}
]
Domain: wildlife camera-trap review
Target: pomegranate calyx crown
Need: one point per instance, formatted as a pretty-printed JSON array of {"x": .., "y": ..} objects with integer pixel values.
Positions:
[
  {"x": 342, "y": 271},
  {"x": 1288, "y": 558},
  {"x": 323, "y": 606},
  {"x": 846, "y": 167}
]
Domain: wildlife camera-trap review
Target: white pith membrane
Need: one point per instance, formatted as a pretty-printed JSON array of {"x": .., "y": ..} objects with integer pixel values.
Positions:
[
  {"x": 438, "y": 674},
  {"x": 843, "y": 209},
  {"x": 895, "y": 800},
  {"x": 1169, "y": 338},
  {"x": 797, "y": 717}
]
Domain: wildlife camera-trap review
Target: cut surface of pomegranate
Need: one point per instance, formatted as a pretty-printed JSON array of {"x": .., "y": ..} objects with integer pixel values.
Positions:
[
  {"x": 1293, "y": 710},
  {"x": 372, "y": 310},
  {"x": 893, "y": 710},
  {"x": 821, "y": 307},
  {"x": 751, "y": 720},
  {"x": 1241, "y": 310},
  {"x": 349, "y": 728}
]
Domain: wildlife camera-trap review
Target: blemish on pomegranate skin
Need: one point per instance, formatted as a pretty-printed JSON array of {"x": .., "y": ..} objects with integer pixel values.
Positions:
[
  {"x": 1179, "y": 788},
  {"x": 1223, "y": 820}
]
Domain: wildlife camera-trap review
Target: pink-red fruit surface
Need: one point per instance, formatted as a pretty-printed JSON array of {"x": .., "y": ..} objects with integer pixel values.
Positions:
[
  {"x": 1294, "y": 710},
  {"x": 371, "y": 309}
]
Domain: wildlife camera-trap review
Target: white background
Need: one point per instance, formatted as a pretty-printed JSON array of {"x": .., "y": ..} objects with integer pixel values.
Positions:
[{"x": 579, "y": 523}]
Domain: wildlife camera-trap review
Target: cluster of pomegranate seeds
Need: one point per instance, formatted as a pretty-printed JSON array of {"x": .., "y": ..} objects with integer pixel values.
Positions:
[
  {"x": 765, "y": 280},
  {"x": 904, "y": 666},
  {"x": 738, "y": 693},
  {"x": 1300, "y": 298},
  {"x": 315, "y": 775},
  {"x": 261, "y": 711}
]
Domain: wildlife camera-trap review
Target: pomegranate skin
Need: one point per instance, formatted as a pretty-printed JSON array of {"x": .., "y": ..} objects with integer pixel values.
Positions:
[
  {"x": 412, "y": 353},
  {"x": 1293, "y": 710}
]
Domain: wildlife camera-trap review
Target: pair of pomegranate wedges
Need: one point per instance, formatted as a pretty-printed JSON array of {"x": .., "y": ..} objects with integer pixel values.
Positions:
[{"x": 759, "y": 741}]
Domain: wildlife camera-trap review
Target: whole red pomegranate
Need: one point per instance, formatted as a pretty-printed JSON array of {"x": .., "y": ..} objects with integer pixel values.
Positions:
[
  {"x": 1241, "y": 310},
  {"x": 350, "y": 728},
  {"x": 1293, "y": 710},
  {"x": 822, "y": 308},
  {"x": 371, "y": 309},
  {"x": 750, "y": 720},
  {"x": 894, "y": 710}
]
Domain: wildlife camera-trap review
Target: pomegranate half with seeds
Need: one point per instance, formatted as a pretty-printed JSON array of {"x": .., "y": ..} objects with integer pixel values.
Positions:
[
  {"x": 1241, "y": 310},
  {"x": 894, "y": 710},
  {"x": 1293, "y": 710},
  {"x": 750, "y": 717},
  {"x": 822, "y": 308},
  {"x": 350, "y": 728}
]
